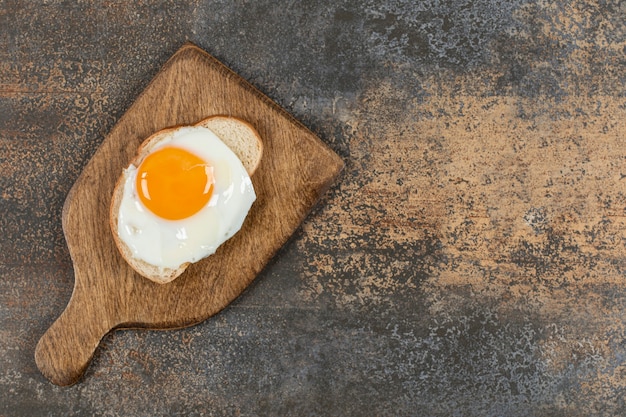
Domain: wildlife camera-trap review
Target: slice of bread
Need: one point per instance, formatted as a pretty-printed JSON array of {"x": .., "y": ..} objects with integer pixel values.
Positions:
[{"x": 237, "y": 134}]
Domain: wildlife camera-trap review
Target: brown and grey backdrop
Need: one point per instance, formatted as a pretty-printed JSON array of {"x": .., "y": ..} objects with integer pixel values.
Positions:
[{"x": 470, "y": 261}]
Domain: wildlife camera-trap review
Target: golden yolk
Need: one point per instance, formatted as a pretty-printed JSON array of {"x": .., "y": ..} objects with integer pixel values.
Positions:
[{"x": 174, "y": 183}]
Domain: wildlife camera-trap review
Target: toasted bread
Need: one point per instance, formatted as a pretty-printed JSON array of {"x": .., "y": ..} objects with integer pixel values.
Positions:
[{"x": 237, "y": 134}]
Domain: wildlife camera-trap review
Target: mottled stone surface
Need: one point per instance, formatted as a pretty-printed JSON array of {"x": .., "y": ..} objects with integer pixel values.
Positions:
[{"x": 470, "y": 261}]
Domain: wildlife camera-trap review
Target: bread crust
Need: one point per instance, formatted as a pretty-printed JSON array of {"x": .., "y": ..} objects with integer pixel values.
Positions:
[
  {"x": 219, "y": 124},
  {"x": 240, "y": 136}
]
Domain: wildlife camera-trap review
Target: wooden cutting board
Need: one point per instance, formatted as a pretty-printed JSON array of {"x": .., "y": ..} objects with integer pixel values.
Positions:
[{"x": 295, "y": 170}]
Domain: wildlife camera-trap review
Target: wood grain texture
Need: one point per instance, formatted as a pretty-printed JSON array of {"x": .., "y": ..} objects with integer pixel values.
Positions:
[{"x": 295, "y": 170}]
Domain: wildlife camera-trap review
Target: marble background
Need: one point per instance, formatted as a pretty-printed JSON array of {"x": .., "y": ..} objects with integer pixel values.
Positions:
[{"x": 470, "y": 261}]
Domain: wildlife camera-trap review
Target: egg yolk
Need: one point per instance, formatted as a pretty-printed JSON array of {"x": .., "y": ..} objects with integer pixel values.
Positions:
[{"x": 174, "y": 184}]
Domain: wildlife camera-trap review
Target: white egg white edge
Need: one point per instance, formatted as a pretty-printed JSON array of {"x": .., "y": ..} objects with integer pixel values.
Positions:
[{"x": 149, "y": 237}]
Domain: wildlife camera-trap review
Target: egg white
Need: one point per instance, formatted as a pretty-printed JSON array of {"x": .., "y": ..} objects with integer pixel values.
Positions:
[{"x": 171, "y": 243}]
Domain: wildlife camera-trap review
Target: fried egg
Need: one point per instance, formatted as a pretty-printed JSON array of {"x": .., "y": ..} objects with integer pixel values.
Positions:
[{"x": 189, "y": 195}]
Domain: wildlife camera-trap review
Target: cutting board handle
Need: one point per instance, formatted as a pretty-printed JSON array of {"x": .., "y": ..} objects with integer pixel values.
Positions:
[{"x": 64, "y": 351}]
